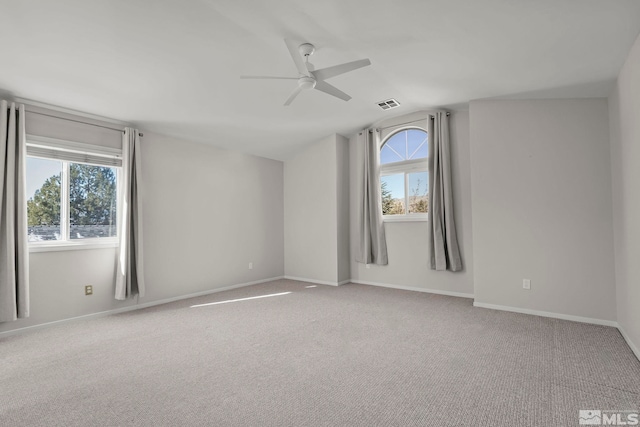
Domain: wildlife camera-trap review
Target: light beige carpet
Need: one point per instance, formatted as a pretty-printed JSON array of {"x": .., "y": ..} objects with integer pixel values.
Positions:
[{"x": 317, "y": 356}]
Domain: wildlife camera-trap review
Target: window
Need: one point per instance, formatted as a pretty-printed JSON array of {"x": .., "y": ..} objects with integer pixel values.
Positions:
[
  {"x": 404, "y": 178},
  {"x": 72, "y": 193}
]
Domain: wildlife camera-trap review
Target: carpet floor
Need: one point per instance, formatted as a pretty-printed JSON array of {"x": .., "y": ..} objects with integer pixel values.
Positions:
[{"x": 353, "y": 355}]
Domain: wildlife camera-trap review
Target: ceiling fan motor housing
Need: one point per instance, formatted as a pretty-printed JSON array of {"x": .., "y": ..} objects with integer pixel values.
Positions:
[
  {"x": 307, "y": 82},
  {"x": 306, "y": 49}
]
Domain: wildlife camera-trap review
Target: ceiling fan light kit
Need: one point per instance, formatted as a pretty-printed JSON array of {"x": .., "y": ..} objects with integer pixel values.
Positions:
[
  {"x": 307, "y": 82},
  {"x": 313, "y": 79}
]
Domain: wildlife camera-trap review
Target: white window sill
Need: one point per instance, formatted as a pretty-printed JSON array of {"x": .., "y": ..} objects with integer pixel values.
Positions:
[
  {"x": 405, "y": 218},
  {"x": 71, "y": 246}
]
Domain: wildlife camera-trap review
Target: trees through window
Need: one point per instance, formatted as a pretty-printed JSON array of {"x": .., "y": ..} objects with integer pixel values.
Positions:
[{"x": 70, "y": 201}]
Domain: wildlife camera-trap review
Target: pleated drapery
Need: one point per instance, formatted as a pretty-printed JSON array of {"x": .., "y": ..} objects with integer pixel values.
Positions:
[
  {"x": 130, "y": 273},
  {"x": 373, "y": 245},
  {"x": 14, "y": 250},
  {"x": 443, "y": 241}
]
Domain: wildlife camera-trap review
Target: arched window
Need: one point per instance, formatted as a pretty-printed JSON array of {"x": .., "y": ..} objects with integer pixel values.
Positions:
[{"x": 404, "y": 177}]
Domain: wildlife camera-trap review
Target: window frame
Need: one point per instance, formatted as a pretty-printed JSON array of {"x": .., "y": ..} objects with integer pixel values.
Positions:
[
  {"x": 405, "y": 167},
  {"x": 66, "y": 243}
]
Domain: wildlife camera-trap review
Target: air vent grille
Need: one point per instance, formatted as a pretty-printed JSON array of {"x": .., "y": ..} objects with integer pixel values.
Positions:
[{"x": 388, "y": 104}]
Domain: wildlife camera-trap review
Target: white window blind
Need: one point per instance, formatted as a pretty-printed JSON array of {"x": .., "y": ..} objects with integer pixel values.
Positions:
[{"x": 77, "y": 152}]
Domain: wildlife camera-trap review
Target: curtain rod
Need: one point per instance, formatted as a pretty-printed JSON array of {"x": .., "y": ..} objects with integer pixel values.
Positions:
[
  {"x": 77, "y": 121},
  {"x": 408, "y": 123}
]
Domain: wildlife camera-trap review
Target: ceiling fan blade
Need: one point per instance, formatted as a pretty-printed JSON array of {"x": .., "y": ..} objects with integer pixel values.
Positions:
[
  {"x": 297, "y": 58},
  {"x": 331, "y": 90},
  {"x": 269, "y": 77},
  {"x": 336, "y": 70},
  {"x": 293, "y": 96}
]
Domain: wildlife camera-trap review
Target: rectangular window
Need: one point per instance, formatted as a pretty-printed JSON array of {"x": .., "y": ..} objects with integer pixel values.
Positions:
[
  {"x": 402, "y": 190},
  {"x": 72, "y": 193}
]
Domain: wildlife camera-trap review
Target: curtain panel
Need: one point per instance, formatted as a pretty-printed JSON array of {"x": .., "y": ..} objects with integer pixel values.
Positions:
[
  {"x": 14, "y": 250},
  {"x": 443, "y": 241},
  {"x": 373, "y": 244},
  {"x": 130, "y": 273}
]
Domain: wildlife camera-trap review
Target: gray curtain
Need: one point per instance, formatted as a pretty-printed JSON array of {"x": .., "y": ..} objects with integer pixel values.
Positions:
[
  {"x": 130, "y": 274},
  {"x": 443, "y": 242},
  {"x": 14, "y": 252},
  {"x": 373, "y": 245}
]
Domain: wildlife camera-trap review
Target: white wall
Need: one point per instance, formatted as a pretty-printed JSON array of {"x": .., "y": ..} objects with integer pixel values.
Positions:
[
  {"x": 407, "y": 243},
  {"x": 624, "y": 113},
  {"x": 541, "y": 201},
  {"x": 207, "y": 214},
  {"x": 342, "y": 212},
  {"x": 315, "y": 228}
]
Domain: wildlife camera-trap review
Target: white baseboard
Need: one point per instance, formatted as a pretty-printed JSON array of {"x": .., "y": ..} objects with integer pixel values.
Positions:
[
  {"x": 411, "y": 288},
  {"x": 319, "y": 282},
  {"x": 208, "y": 292},
  {"x": 593, "y": 321},
  {"x": 634, "y": 348},
  {"x": 133, "y": 307}
]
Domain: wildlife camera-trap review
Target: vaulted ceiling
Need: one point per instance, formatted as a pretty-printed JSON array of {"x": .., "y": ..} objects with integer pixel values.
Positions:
[{"x": 173, "y": 66}]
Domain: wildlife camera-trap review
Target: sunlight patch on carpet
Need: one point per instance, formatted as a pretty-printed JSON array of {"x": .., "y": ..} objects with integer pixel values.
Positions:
[{"x": 240, "y": 299}]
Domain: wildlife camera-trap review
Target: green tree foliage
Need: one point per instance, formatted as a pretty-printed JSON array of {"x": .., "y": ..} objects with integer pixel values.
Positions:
[
  {"x": 44, "y": 207},
  {"x": 387, "y": 200},
  {"x": 390, "y": 206},
  {"x": 92, "y": 198},
  {"x": 92, "y": 195}
]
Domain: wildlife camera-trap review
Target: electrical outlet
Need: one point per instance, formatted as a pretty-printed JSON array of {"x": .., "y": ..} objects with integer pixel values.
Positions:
[
  {"x": 250, "y": 266},
  {"x": 88, "y": 290},
  {"x": 526, "y": 284}
]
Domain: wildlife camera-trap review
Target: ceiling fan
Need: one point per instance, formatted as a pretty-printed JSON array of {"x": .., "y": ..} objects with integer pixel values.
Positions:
[{"x": 310, "y": 78}]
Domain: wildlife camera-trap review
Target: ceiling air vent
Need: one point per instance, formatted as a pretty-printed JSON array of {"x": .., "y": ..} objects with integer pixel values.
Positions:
[{"x": 388, "y": 104}]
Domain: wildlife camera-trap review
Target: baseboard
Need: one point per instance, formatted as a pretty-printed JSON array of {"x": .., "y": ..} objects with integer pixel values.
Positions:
[
  {"x": 133, "y": 307},
  {"x": 410, "y": 288},
  {"x": 634, "y": 348},
  {"x": 580, "y": 319},
  {"x": 319, "y": 282},
  {"x": 208, "y": 292}
]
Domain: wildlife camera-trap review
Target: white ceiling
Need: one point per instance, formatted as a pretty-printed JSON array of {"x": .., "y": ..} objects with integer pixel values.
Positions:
[{"x": 173, "y": 66}]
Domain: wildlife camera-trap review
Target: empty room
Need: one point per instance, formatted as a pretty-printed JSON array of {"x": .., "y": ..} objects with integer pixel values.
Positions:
[{"x": 338, "y": 213}]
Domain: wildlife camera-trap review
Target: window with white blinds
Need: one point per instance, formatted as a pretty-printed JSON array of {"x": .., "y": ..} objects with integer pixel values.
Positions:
[
  {"x": 50, "y": 148},
  {"x": 72, "y": 192}
]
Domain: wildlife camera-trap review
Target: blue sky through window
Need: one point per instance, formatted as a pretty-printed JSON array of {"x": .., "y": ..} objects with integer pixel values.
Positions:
[
  {"x": 405, "y": 145},
  {"x": 418, "y": 184},
  {"x": 38, "y": 171},
  {"x": 395, "y": 184}
]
